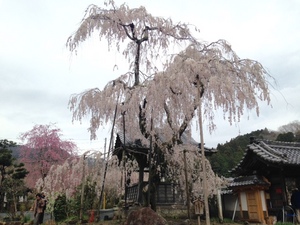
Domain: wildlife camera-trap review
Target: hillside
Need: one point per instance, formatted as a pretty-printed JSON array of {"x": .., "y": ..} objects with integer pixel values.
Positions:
[{"x": 230, "y": 153}]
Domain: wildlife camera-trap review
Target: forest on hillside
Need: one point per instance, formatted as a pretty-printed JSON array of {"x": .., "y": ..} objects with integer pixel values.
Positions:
[{"x": 230, "y": 153}]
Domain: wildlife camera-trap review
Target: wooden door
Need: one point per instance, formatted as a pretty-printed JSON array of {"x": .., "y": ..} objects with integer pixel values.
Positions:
[{"x": 253, "y": 206}]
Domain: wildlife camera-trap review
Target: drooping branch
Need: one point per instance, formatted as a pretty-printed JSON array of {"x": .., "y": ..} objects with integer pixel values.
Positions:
[
  {"x": 116, "y": 24},
  {"x": 168, "y": 114},
  {"x": 176, "y": 138}
]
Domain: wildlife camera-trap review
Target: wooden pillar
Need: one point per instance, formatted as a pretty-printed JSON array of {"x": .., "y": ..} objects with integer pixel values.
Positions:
[{"x": 186, "y": 185}]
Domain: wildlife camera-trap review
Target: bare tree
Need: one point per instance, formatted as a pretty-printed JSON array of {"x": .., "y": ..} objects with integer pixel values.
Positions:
[{"x": 293, "y": 127}]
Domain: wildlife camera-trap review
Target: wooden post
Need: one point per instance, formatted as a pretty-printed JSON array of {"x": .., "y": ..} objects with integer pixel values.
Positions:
[
  {"x": 124, "y": 166},
  {"x": 104, "y": 201},
  {"x": 104, "y": 158},
  {"x": 82, "y": 187},
  {"x": 106, "y": 163},
  {"x": 220, "y": 205},
  {"x": 186, "y": 185},
  {"x": 150, "y": 166},
  {"x": 205, "y": 191}
]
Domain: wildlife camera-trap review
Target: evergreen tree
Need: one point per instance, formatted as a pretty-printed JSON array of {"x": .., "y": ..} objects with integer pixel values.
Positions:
[
  {"x": 6, "y": 160},
  {"x": 12, "y": 176},
  {"x": 286, "y": 137},
  {"x": 14, "y": 186}
]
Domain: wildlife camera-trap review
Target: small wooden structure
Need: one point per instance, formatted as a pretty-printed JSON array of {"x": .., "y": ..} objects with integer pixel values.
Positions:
[
  {"x": 139, "y": 150},
  {"x": 278, "y": 163},
  {"x": 199, "y": 208},
  {"x": 251, "y": 197}
]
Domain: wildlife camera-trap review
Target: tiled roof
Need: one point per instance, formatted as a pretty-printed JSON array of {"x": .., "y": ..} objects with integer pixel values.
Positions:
[
  {"x": 269, "y": 152},
  {"x": 133, "y": 142},
  {"x": 277, "y": 152},
  {"x": 249, "y": 181},
  {"x": 226, "y": 192},
  {"x": 144, "y": 143}
]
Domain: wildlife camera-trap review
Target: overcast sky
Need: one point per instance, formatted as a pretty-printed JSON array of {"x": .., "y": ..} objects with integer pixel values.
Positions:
[{"x": 38, "y": 74}]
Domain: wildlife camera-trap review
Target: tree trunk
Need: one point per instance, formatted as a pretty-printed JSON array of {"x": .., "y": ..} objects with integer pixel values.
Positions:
[
  {"x": 153, "y": 190},
  {"x": 15, "y": 205},
  {"x": 186, "y": 185},
  {"x": 137, "y": 65},
  {"x": 141, "y": 184}
]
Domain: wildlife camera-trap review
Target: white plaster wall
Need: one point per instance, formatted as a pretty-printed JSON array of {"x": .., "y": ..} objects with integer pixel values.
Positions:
[
  {"x": 244, "y": 201},
  {"x": 263, "y": 200}
]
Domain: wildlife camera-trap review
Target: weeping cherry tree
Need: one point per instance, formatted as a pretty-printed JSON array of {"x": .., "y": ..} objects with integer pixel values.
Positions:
[
  {"x": 43, "y": 147},
  {"x": 199, "y": 79}
]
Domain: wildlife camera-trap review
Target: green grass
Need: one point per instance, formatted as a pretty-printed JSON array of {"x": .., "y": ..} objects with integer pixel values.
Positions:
[{"x": 285, "y": 223}]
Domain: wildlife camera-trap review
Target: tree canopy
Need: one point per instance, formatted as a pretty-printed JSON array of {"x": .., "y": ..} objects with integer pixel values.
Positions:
[
  {"x": 140, "y": 36},
  {"x": 226, "y": 81},
  {"x": 43, "y": 147},
  {"x": 286, "y": 137}
]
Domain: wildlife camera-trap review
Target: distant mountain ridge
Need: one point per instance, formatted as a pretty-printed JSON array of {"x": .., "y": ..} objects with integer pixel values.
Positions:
[{"x": 16, "y": 151}]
